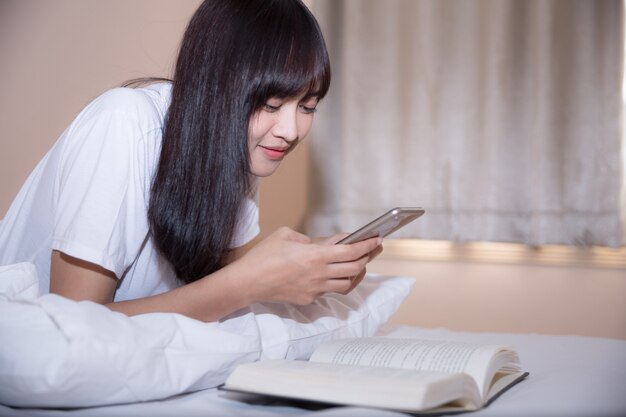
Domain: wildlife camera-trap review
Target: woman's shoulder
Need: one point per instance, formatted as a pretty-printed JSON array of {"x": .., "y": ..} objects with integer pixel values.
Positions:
[
  {"x": 147, "y": 105},
  {"x": 119, "y": 119}
]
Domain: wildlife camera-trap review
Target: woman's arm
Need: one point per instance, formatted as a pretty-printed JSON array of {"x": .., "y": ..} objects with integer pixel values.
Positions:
[
  {"x": 80, "y": 280},
  {"x": 285, "y": 267},
  {"x": 205, "y": 299}
]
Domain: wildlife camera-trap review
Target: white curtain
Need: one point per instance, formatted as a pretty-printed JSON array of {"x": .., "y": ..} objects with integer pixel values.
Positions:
[{"x": 502, "y": 118}]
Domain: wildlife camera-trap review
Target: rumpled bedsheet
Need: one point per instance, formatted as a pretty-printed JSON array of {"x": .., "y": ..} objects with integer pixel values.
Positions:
[{"x": 55, "y": 352}]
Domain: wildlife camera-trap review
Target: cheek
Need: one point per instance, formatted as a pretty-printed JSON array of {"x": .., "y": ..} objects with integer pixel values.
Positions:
[
  {"x": 304, "y": 125},
  {"x": 253, "y": 128},
  {"x": 259, "y": 125}
]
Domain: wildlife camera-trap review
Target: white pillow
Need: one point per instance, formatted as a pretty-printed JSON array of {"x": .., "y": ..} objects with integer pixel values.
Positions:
[
  {"x": 60, "y": 353},
  {"x": 19, "y": 280},
  {"x": 293, "y": 332}
]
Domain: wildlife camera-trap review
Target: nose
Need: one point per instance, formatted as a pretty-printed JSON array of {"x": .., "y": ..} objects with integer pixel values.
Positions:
[{"x": 286, "y": 126}]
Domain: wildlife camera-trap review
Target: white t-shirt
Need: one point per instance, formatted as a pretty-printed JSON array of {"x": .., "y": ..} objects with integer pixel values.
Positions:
[{"x": 89, "y": 195}]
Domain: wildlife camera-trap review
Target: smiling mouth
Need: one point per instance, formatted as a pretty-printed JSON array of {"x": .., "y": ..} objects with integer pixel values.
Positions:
[{"x": 274, "y": 153}]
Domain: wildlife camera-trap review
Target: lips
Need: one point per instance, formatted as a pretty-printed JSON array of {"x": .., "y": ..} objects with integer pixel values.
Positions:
[{"x": 274, "y": 153}]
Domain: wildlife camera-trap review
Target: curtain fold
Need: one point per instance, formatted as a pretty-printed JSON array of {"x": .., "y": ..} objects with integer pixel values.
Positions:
[{"x": 501, "y": 118}]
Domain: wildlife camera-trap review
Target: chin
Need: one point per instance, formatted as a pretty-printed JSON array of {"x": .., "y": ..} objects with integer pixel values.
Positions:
[{"x": 264, "y": 171}]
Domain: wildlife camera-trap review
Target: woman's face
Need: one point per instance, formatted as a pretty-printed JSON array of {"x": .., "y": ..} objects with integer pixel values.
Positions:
[{"x": 276, "y": 129}]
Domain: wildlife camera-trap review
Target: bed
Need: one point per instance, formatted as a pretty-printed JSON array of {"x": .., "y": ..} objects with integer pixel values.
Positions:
[{"x": 569, "y": 375}]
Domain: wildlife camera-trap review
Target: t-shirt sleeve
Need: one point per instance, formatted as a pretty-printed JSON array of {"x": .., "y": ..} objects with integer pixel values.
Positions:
[
  {"x": 248, "y": 221},
  {"x": 101, "y": 185}
]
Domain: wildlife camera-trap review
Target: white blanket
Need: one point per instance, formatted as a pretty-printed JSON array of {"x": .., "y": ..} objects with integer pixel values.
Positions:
[
  {"x": 55, "y": 352},
  {"x": 570, "y": 376}
]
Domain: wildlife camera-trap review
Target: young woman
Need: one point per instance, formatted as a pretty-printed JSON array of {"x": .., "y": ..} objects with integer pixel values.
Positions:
[{"x": 146, "y": 201}]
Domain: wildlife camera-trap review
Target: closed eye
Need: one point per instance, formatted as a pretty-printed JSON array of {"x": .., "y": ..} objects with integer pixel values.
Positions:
[
  {"x": 269, "y": 108},
  {"x": 307, "y": 109}
]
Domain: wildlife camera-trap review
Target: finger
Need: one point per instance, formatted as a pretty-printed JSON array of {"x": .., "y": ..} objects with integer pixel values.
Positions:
[
  {"x": 332, "y": 240},
  {"x": 329, "y": 240},
  {"x": 356, "y": 280},
  {"x": 347, "y": 269},
  {"x": 353, "y": 251},
  {"x": 290, "y": 234},
  {"x": 338, "y": 285},
  {"x": 376, "y": 252}
]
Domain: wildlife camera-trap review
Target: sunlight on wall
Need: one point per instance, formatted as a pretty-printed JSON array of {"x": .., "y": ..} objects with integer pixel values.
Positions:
[{"x": 505, "y": 253}]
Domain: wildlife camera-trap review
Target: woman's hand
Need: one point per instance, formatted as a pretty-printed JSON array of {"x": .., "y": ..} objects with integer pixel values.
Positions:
[
  {"x": 332, "y": 240},
  {"x": 289, "y": 267}
]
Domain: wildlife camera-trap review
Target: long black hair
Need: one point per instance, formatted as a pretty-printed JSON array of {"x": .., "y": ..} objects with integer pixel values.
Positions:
[{"x": 234, "y": 56}]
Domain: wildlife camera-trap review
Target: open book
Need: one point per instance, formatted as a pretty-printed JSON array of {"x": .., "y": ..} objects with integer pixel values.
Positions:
[{"x": 398, "y": 374}]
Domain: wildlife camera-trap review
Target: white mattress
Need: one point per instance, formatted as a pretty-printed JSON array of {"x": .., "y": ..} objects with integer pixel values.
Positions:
[{"x": 569, "y": 376}]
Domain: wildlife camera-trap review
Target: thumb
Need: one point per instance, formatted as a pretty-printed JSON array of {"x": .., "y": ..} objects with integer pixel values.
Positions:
[{"x": 290, "y": 234}]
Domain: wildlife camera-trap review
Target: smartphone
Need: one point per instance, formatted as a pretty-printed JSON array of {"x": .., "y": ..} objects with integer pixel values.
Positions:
[{"x": 385, "y": 224}]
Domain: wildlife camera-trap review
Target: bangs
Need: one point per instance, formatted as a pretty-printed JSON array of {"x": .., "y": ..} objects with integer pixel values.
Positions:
[{"x": 290, "y": 59}]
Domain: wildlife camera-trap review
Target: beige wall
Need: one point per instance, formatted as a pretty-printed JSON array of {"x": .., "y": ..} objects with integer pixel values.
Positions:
[
  {"x": 56, "y": 56},
  {"x": 516, "y": 298}
]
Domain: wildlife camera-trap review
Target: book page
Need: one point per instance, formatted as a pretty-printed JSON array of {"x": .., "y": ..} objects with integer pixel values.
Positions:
[
  {"x": 427, "y": 355},
  {"x": 391, "y": 388}
]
